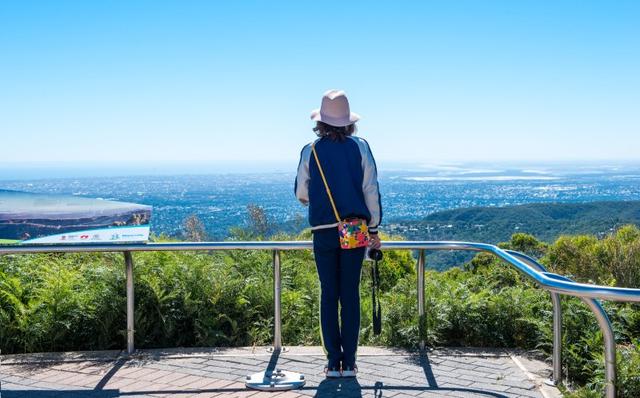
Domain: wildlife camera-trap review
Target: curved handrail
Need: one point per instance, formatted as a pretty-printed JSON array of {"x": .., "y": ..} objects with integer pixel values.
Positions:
[
  {"x": 532, "y": 262},
  {"x": 548, "y": 283},
  {"x": 556, "y": 376},
  {"x": 603, "y": 322}
]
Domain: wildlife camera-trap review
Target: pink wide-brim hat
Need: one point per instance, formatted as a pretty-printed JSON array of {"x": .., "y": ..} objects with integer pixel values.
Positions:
[{"x": 335, "y": 110}]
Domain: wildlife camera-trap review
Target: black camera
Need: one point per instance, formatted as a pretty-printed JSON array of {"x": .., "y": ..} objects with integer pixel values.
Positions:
[{"x": 374, "y": 254}]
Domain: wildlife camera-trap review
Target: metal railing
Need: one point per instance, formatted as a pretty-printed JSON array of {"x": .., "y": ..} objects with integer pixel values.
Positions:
[{"x": 555, "y": 284}]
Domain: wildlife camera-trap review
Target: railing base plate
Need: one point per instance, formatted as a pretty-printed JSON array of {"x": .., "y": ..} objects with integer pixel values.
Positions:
[{"x": 277, "y": 381}]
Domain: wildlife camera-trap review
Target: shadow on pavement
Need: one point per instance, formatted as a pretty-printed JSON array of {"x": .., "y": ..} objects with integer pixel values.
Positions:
[
  {"x": 114, "y": 369},
  {"x": 423, "y": 361},
  {"x": 339, "y": 388},
  {"x": 60, "y": 394},
  {"x": 115, "y": 393},
  {"x": 379, "y": 388}
]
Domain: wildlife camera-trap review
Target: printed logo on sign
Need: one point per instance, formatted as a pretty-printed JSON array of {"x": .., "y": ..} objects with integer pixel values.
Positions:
[{"x": 128, "y": 234}]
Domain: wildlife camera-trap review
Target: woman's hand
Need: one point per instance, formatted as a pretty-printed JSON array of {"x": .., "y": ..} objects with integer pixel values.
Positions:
[{"x": 374, "y": 241}]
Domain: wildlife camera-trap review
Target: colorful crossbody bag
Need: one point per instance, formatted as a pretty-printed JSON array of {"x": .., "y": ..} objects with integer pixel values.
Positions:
[{"x": 353, "y": 232}]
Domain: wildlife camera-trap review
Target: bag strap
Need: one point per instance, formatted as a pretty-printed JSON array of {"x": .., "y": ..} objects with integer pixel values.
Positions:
[
  {"x": 375, "y": 299},
  {"x": 315, "y": 155}
]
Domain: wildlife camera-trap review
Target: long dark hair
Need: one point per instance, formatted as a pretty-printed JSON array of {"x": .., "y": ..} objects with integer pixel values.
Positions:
[{"x": 334, "y": 133}]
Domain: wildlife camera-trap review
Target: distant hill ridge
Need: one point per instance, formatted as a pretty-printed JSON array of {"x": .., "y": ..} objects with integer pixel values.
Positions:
[{"x": 546, "y": 221}]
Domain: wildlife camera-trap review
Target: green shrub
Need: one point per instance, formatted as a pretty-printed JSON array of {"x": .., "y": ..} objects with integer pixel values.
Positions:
[{"x": 614, "y": 260}]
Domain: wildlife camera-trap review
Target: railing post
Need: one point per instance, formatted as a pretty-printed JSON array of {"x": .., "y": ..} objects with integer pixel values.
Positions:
[
  {"x": 421, "y": 316},
  {"x": 556, "y": 377},
  {"x": 128, "y": 260},
  {"x": 557, "y": 338},
  {"x": 609, "y": 345},
  {"x": 277, "y": 290},
  {"x": 274, "y": 378}
]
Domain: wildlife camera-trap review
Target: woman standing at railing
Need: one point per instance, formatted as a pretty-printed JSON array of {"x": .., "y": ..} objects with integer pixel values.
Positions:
[{"x": 337, "y": 178}]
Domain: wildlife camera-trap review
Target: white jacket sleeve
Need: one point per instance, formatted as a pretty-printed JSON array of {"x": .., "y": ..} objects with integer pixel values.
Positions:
[
  {"x": 370, "y": 187},
  {"x": 301, "y": 186}
]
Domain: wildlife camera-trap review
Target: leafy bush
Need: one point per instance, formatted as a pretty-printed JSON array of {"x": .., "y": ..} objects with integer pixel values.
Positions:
[{"x": 613, "y": 260}]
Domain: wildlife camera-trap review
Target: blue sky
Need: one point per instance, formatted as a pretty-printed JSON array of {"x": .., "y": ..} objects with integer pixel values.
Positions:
[{"x": 222, "y": 82}]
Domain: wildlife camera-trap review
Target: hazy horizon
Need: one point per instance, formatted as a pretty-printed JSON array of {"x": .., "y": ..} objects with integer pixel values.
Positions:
[{"x": 43, "y": 170}]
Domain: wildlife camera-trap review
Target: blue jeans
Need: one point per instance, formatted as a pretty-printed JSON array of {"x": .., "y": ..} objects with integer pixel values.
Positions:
[{"x": 339, "y": 273}]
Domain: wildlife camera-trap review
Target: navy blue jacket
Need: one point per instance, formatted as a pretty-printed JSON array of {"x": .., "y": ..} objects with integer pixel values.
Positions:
[{"x": 352, "y": 177}]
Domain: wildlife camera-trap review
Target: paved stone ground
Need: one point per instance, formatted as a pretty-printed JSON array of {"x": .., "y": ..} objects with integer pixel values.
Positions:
[{"x": 220, "y": 373}]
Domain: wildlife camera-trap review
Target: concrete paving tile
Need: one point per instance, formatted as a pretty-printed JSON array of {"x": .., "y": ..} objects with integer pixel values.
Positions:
[
  {"x": 61, "y": 377},
  {"x": 429, "y": 394},
  {"x": 155, "y": 374},
  {"x": 488, "y": 387},
  {"x": 94, "y": 369},
  {"x": 118, "y": 383},
  {"x": 185, "y": 381},
  {"x": 466, "y": 394},
  {"x": 83, "y": 380},
  {"x": 138, "y": 386},
  {"x": 520, "y": 392}
]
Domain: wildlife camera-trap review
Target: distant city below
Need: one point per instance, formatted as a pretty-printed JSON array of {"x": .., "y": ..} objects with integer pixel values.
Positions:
[{"x": 221, "y": 200}]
